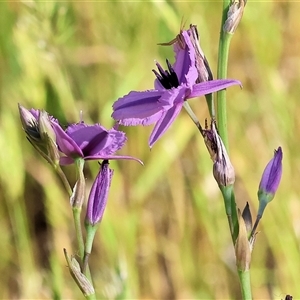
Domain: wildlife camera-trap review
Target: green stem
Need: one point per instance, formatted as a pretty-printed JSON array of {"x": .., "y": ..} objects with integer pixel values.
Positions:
[
  {"x": 79, "y": 237},
  {"x": 224, "y": 44},
  {"x": 192, "y": 116},
  {"x": 64, "y": 180},
  {"x": 245, "y": 282},
  {"x": 90, "y": 297},
  {"x": 91, "y": 231},
  {"x": 231, "y": 212},
  {"x": 228, "y": 192},
  {"x": 78, "y": 230},
  {"x": 210, "y": 105}
]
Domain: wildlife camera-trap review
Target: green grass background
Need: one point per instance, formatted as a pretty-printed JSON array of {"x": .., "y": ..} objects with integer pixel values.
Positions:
[{"x": 164, "y": 234}]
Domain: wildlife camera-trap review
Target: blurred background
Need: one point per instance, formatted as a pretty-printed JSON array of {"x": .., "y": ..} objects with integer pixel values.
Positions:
[{"x": 164, "y": 234}]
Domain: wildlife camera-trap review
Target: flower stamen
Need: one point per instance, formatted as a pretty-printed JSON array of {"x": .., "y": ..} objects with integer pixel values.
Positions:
[{"x": 167, "y": 78}]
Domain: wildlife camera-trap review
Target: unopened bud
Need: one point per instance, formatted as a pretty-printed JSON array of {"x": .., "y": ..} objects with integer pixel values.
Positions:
[
  {"x": 222, "y": 168},
  {"x": 234, "y": 15},
  {"x": 270, "y": 180},
  {"x": 98, "y": 195},
  {"x": 29, "y": 123},
  {"x": 40, "y": 133}
]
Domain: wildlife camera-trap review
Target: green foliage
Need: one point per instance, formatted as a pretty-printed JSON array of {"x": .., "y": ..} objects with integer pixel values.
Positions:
[{"x": 164, "y": 233}]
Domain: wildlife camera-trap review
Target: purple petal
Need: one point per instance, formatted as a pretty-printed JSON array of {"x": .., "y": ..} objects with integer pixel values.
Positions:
[
  {"x": 65, "y": 143},
  {"x": 96, "y": 139},
  {"x": 184, "y": 65},
  {"x": 98, "y": 195},
  {"x": 272, "y": 174},
  {"x": 164, "y": 123},
  {"x": 112, "y": 142},
  {"x": 64, "y": 161},
  {"x": 35, "y": 112},
  {"x": 174, "y": 96},
  {"x": 137, "y": 105},
  {"x": 211, "y": 86},
  {"x": 145, "y": 121}
]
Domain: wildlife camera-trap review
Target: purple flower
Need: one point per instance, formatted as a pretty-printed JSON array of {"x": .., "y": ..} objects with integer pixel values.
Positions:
[
  {"x": 98, "y": 195},
  {"x": 172, "y": 87},
  {"x": 272, "y": 174},
  {"x": 90, "y": 142}
]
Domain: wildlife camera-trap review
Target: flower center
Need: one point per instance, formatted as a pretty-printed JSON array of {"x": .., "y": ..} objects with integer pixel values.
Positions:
[{"x": 167, "y": 78}]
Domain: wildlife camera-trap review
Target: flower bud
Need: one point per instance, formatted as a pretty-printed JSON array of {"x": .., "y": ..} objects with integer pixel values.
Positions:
[
  {"x": 40, "y": 133},
  {"x": 98, "y": 195},
  {"x": 29, "y": 123},
  {"x": 270, "y": 180},
  {"x": 234, "y": 15},
  {"x": 222, "y": 168}
]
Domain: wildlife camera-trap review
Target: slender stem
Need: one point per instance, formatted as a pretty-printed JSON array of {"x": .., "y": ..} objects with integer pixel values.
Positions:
[
  {"x": 228, "y": 192},
  {"x": 79, "y": 237},
  {"x": 64, "y": 180},
  {"x": 192, "y": 116},
  {"x": 78, "y": 230},
  {"x": 230, "y": 208},
  {"x": 210, "y": 105},
  {"x": 91, "y": 231},
  {"x": 245, "y": 282},
  {"x": 90, "y": 297},
  {"x": 224, "y": 44},
  {"x": 254, "y": 227}
]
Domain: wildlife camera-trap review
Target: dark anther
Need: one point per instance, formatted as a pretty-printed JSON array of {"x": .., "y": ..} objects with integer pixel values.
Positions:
[{"x": 167, "y": 78}]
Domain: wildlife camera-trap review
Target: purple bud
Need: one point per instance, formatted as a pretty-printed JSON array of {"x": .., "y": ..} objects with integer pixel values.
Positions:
[
  {"x": 98, "y": 195},
  {"x": 272, "y": 174}
]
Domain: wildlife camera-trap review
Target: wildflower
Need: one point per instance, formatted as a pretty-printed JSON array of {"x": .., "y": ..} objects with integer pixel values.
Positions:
[
  {"x": 172, "y": 87},
  {"x": 271, "y": 178},
  {"x": 89, "y": 142},
  {"x": 98, "y": 195},
  {"x": 222, "y": 168}
]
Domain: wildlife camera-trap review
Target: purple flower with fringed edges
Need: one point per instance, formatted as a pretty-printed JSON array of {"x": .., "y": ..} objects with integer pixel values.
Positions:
[
  {"x": 272, "y": 174},
  {"x": 99, "y": 194},
  {"x": 172, "y": 87},
  {"x": 90, "y": 142}
]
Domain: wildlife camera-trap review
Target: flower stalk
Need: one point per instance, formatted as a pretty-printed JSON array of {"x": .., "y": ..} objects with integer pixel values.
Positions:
[{"x": 228, "y": 192}]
